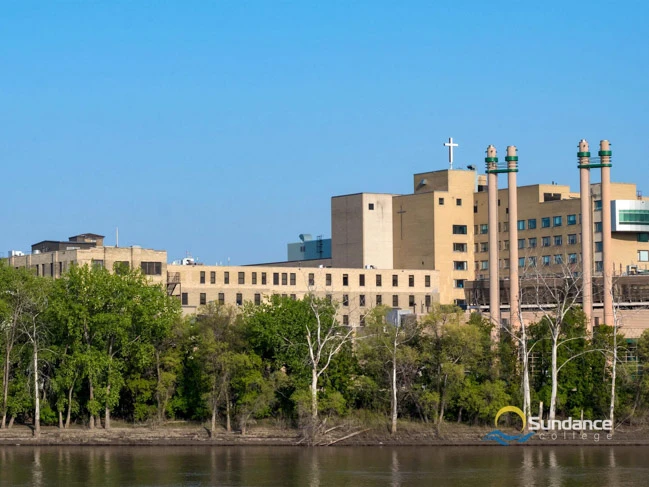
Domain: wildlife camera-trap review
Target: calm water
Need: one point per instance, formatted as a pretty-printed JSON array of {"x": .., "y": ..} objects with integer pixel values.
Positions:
[{"x": 304, "y": 467}]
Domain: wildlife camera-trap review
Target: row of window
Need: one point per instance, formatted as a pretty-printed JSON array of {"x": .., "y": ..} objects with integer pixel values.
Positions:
[
  {"x": 202, "y": 299},
  {"x": 530, "y": 224},
  {"x": 290, "y": 278},
  {"x": 531, "y": 261},
  {"x": 532, "y": 243}
]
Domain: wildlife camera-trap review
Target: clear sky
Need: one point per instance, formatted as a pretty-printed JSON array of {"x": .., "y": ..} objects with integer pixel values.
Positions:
[{"x": 223, "y": 128}]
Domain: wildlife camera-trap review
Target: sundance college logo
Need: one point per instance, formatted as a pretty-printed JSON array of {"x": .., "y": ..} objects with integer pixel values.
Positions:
[{"x": 568, "y": 429}]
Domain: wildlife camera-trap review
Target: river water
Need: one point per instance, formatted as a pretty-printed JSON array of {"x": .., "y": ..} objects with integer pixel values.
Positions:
[{"x": 483, "y": 466}]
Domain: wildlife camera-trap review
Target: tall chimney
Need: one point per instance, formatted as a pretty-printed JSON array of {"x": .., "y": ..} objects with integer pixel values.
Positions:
[
  {"x": 514, "y": 294},
  {"x": 607, "y": 258},
  {"x": 494, "y": 282},
  {"x": 586, "y": 232}
]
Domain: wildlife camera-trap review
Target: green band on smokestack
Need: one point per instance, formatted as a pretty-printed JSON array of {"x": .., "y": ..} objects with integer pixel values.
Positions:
[
  {"x": 511, "y": 158},
  {"x": 491, "y": 159},
  {"x": 583, "y": 154},
  {"x": 605, "y": 153}
]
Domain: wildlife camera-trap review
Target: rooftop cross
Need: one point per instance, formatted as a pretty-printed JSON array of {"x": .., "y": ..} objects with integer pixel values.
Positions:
[{"x": 450, "y": 146}]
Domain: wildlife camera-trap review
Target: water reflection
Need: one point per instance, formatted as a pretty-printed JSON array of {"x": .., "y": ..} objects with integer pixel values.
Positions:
[{"x": 324, "y": 467}]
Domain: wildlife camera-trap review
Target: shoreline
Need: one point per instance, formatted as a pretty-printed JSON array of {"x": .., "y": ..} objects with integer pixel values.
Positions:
[{"x": 193, "y": 435}]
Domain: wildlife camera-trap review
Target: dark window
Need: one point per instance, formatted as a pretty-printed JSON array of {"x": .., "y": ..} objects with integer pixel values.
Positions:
[
  {"x": 371, "y": 206},
  {"x": 362, "y": 320},
  {"x": 427, "y": 300},
  {"x": 221, "y": 298},
  {"x": 292, "y": 278},
  {"x": 203, "y": 299},
  {"x": 379, "y": 300},
  {"x": 184, "y": 299},
  {"x": 284, "y": 278},
  {"x": 475, "y": 208},
  {"x": 427, "y": 281},
  {"x": 242, "y": 277},
  {"x": 311, "y": 279},
  {"x": 441, "y": 201},
  {"x": 328, "y": 279},
  {"x": 345, "y": 299},
  {"x": 346, "y": 320},
  {"x": 328, "y": 298},
  {"x": 395, "y": 300},
  {"x": 98, "y": 263},
  {"x": 557, "y": 221},
  {"x": 598, "y": 227},
  {"x": 531, "y": 223},
  {"x": 276, "y": 278},
  {"x": 411, "y": 300},
  {"x": 263, "y": 278},
  {"x": 378, "y": 280},
  {"x": 293, "y": 297},
  {"x": 361, "y": 279},
  {"x": 545, "y": 222},
  {"x": 558, "y": 240},
  {"x": 212, "y": 277},
  {"x": 226, "y": 278},
  {"x": 411, "y": 280},
  {"x": 458, "y": 202},
  {"x": 345, "y": 280},
  {"x": 599, "y": 246},
  {"x": 598, "y": 205},
  {"x": 254, "y": 278},
  {"x": 572, "y": 219},
  {"x": 239, "y": 299},
  {"x": 361, "y": 300},
  {"x": 202, "y": 277},
  {"x": 395, "y": 280},
  {"x": 459, "y": 230},
  {"x": 257, "y": 299},
  {"x": 151, "y": 268},
  {"x": 572, "y": 239},
  {"x": 643, "y": 237}
]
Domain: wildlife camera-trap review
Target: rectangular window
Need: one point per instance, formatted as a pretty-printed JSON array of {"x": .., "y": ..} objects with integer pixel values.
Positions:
[
  {"x": 459, "y": 230},
  {"x": 379, "y": 280},
  {"x": 459, "y": 247},
  {"x": 291, "y": 278},
  {"x": 202, "y": 299},
  {"x": 557, "y": 221},
  {"x": 411, "y": 280},
  {"x": 184, "y": 299},
  {"x": 395, "y": 300},
  {"x": 545, "y": 222},
  {"x": 361, "y": 279},
  {"x": 505, "y": 263},
  {"x": 202, "y": 277},
  {"x": 226, "y": 277},
  {"x": 545, "y": 241},
  {"x": 411, "y": 300},
  {"x": 634, "y": 217},
  {"x": 545, "y": 260},
  {"x": 441, "y": 202},
  {"x": 643, "y": 255},
  {"x": 345, "y": 299},
  {"x": 212, "y": 277},
  {"x": 379, "y": 300},
  {"x": 345, "y": 280},
  {"x": 275, "y": 278},
  {"x": 505, "y": 226},
  {"x": 242, "y": 277},
  {"x": 599, "y": 246},
  {"x": 254, "y": 278},
  {"x": 531, "y": 223},
  {"x": 239, "y": 299},
  {"x": 98, "y": 263},
  {"x": 257, "y": 299},
  {"x": 506, "y": 244},
  {"x": 521, "y": 224},
  {"x": 427, "y": 300},
  {"x": 521, "y": 243},
  {"x": 458, "y": 202},
  {"x": 459, "y": 265},
  {"x": 284, "y": 278},
  {"x": 484, "y": 265},
  {"x": 427, "y": 281},
  {"x": 263, "y": 278},
  {"x": 327, "y": 279},
  {"x": 151, "y": 268},
  {"x": 221, "y": 298},
  {"x": 572, "y": 239},
  {"x": 484, "y": 228},
  {"x": 532, "y": 261},
  {"x": 361, "y": 300},
  {"x": 572, "y": 219},
  {"x": 558, "y": 259},
  {"x": 311, "y": 279},
  {"x": 598, "y": 205},
  {"x": 558, "y": 240},
  {"x": 458, "y": 283},
  {"x": 521, "y": 262},
  {"x": 484, "y": 246},
  {"x": 572, "y": 258},
  {"x": 346, "y": 320},
  {"x": 293, "y": 297},
  {"x": 599, "y": 266},
  {"x": 643, "y": 237},
  {"x": 395, "y": 280},
  {"x": 370, "y": 206},
  {"x": 531, "y": 242},
  {"x": 328, "y": 298},
  {"x": 598, "y": 227}
]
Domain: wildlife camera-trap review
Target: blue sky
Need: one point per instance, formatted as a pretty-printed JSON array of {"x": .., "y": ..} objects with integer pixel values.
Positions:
[{"x": 224, "y": 128}]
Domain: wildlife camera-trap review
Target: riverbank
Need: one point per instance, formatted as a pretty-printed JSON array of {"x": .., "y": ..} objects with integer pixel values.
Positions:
[{"x": 409, "y": 434}]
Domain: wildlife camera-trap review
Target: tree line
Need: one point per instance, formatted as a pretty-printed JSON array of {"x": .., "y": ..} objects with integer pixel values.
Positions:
[{"x": 96, "y": 345}]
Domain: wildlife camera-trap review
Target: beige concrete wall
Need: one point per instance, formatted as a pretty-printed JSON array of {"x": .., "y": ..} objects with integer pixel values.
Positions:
[
  {"x": 377, "y": 231},
  {"x": 227, "y": 283}
]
